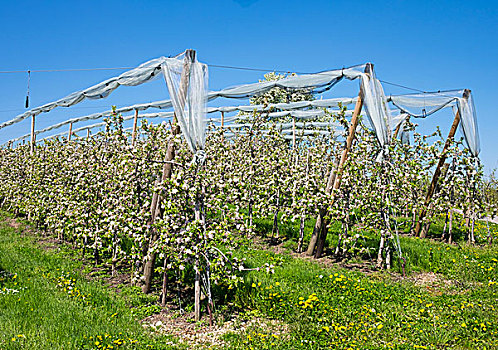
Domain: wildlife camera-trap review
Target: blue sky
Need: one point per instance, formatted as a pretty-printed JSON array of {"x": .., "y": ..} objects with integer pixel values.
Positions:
[{"x": 430, "y": 45}]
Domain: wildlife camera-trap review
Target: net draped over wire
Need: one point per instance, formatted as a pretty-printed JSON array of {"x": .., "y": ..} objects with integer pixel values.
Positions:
[
  {"x": 190, "y": 105},
  {"x": 425, "y": 104},
  {"x": 190, "y": 111}
]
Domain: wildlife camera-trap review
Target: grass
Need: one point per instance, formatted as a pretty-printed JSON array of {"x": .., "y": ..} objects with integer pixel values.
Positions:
[
  {"x": 343, "y": 309},
  {"x": 302, "y": 305},
  {"x": 338, "y": 308},
  {"x": 55, "y": 306}
]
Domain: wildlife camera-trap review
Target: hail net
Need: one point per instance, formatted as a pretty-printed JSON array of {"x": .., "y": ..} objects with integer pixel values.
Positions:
[{"x": 187, "y": 81}]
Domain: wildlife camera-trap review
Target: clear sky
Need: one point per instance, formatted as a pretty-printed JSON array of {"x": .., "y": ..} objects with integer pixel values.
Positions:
[{"x": 430, "y": 45}]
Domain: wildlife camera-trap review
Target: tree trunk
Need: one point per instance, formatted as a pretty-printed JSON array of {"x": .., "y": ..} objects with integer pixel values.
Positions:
[
  {"x": 275, "y": 217},
  {"x": 472, "y": 238},
  {"x": 490, "y": 236},
  {"x": 388, "y": 255},
  {"x": 164, "y": 291},
  {"x": 381, "y": 248},
  {"x": 301, "y": 234},
  {"x": 450, "y": 227},
  {"x": 443, "y": 236},
  {"x": 197, "y": 292},
  {"x": 316, "y": 230}
]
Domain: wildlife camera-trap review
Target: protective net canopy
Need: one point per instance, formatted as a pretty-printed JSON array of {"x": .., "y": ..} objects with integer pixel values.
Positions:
[
  {"x": 187, "y": 81},
  {"x": 425, "y": 104},
  {"x": 139, "y": 75},
  {"x": 377, "y": 110}
]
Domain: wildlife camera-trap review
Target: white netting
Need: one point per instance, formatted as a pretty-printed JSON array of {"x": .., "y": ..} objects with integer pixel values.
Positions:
[
  {"x": 425, "y": 104},
  {"x": 377, "y": 110},
  {"x": 416, "y": 105},
  {"x": 143, "y": 73},
  {"x": 189, "y": 98},
  {"x": 469, "y": 122}
]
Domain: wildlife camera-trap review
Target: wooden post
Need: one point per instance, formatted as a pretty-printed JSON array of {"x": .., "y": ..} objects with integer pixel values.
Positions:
[
  {"x": 164, "y": 290},
  {"x": 437, "y": 172},
  {"x": 87, "y": 133},
  {"x": 396, "y": 131},
  {"x": 33, "y": 140},
  {"x": 430, "y": 209},
  {"x": 134, "y": 133},
  {"x": 334, "y": 181},
  {"x": 222, "y": 126},
  {"x": 293, "y": 132},
  {"x": 167, "y": 170},
  {"x": 70, "y": 132}
]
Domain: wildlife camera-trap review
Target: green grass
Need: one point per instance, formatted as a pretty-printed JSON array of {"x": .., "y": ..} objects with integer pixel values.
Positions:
[
  {"x": 55, "y": 306},
  {"x": 338, "y": 308},
  {"x": 302, "y": 305}
]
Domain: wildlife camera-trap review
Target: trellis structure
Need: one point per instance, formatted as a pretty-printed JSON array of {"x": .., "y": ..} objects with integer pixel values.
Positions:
[{"x": 191, "y": 114}]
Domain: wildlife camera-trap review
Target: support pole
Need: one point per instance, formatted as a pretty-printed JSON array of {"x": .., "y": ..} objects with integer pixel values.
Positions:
[
  {"x": 33, "y": 140},
  {"x": 293, "y": 132},
  {"x": 70, "y": 132},
  {"x": 430, "y": 209},
  {"x": 334, "y": 181},
  {"x": 87, "y": 133},
  {"x": 134, "y": 133},
  {"x": 437, "y": 172},
  {"x": 222, "y": 126},
  {"x": 167, "y": 170},
  {"x": 396, "y": 131}
]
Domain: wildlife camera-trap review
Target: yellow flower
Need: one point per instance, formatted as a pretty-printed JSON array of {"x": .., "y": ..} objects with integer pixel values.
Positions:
[
  {"x": 253, "y": 285},
  {"x": 464, "y": 325}
]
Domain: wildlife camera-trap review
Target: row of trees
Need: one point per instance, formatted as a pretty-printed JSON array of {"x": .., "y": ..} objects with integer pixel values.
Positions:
[{"x": 108, "y": 197}]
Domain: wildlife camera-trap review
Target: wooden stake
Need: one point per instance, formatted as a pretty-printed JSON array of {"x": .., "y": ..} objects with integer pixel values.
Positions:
[
  {"x": 427, "y": 225},
  {"x": 164, "y": 291},
  {"x": 87, "y": 133},
  {"x": 450, "y": 227},
  {"x": 396, "y": 131},
  {"x": 335, "y": 177},
  {"x": 293, "y": 132},
  {"x": 33, "y": 134},
  {"x": 134, "y": 133},
  {"x": 222, "y": 124},
  {"x": 167, "y": 170},
  {"x": 437, "y": 172},
  {"x": 70, "y": 132}
]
